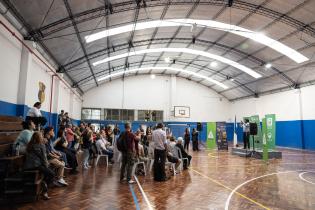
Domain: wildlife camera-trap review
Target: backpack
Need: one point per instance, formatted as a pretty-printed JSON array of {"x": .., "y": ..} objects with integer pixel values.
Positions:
[{"x": 122, "y": 142}]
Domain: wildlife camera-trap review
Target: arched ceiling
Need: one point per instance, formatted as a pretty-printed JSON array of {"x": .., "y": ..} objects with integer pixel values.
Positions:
[{"x": 61, "y": 26}]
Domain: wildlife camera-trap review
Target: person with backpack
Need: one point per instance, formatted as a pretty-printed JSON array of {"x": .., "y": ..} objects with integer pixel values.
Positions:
[{"x": 126, "y": 145}]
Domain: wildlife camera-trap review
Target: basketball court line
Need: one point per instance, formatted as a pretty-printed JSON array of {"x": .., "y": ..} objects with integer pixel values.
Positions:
[
  {"x": 302, "y": 178},
  {"x": 135, "y": 200},
  {"x": 227, "y": 203},
  {"x": 230, "y": 189},
  {"x": 150, "y": 207}
]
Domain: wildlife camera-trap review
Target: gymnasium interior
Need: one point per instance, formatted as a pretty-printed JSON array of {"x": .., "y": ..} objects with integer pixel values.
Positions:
[{"x": 157, "y": 104}]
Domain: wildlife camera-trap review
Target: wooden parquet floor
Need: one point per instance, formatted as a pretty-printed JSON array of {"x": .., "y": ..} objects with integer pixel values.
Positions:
[{"x": 288, "y": 184}]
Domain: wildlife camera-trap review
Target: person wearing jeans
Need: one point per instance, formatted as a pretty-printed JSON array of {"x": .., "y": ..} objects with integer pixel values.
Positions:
[
  {"x": 87, "y": 144},
  {"x": 128, "y": 154}
]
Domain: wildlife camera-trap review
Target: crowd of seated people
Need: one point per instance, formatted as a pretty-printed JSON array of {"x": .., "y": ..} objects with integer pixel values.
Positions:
[{"x": 51, "y": 154}]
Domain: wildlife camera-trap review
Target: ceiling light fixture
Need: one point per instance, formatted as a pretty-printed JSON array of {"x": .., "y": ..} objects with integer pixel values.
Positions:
[
  {"x": 191, "y": 73},
  {"x": 213, "y": 64},
  {"x": 268, "y": 65},
  {"x": 167, "y": 60},
  {"x": 183, "y": 50},
  {"x": 258, "y": 37},
  {"x": 152, "y": 76}
]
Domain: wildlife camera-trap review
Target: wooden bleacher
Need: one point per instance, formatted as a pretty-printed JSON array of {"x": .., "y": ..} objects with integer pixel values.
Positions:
[{"x": 16, "y": 185}]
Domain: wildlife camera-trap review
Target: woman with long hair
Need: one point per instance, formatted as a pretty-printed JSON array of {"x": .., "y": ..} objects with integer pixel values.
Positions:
[
  {"x": 61, "y": 145},
  {"x": 36, "y": 159}
]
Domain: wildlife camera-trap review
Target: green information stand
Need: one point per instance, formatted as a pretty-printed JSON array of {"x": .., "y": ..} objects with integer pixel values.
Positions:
[
  {"x": 211, "y": 135},
  {"x": 271, "y": 130},
  {"x": 264, "y": 141}
]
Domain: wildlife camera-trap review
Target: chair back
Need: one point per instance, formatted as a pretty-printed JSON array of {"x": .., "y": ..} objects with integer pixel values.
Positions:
[{"x": 178, "y": 153}]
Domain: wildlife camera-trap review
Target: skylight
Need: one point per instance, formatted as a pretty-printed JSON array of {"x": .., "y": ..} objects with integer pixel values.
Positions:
[
  {"x": 164, "y": 68},
  {"x": 183, "y": 50},
  {"x": 258, "y": 37}
]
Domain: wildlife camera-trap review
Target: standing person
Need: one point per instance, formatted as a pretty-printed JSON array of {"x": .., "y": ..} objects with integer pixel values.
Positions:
[
  {"x": 70, "y": 136},
  {"x": 36, "y": 159},
  {"x": 194, "y": 137},
  {"x": 60, "y": 117},
  {"x": 87, "y": 145},
  {"x": 186, "y": 139},
  {"x": 246, "y": 133},
  {"x": 128, "y": 153},
  {"x": 160, "y": 147}
]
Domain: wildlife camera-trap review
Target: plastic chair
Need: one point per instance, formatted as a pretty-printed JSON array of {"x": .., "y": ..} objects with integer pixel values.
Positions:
[
  {"x": 99, "y": 155},
  {"x": 135, "y": 165},
  {"x": 180, "y": 156}
]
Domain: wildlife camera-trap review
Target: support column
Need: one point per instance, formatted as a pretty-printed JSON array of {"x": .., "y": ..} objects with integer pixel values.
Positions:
[{"x": 25, "y": 66}]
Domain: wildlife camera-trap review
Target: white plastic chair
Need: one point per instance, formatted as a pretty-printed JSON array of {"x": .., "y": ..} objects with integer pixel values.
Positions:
[
  {"x": 180, "y": 156},
  {"x": 99, "y": 155},
  {"x": 135, "y": 165}
]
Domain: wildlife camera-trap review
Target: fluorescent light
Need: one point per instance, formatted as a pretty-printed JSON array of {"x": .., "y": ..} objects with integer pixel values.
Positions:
[
  {"x": 268, "y": 65},
  {"x": 213, "y": 64},
  {"x": 152, "y": 76},
  {"x": 165, "y": 68},
  {"x": 183, "y": 50},
  {"x": 232, "y": 80},
  {"x": 167, "y": 59},
  {"x": 258, "y": 37}
]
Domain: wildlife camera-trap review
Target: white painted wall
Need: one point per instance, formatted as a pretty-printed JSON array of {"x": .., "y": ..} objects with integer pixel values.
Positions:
[
  {"x": 32, "y": 72},
  {"x": 161, "y": 93},
  {"x": 10, "y": 59},
  {"x": 288, "y": 105}
]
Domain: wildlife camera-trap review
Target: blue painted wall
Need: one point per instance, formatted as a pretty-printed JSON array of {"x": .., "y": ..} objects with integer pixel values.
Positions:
[
  {"x": 295, "y": 133},
  {"x": 11, "y": 109}
]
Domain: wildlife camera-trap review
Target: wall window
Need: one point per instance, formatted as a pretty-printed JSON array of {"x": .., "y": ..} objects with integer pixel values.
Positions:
[
  {"x": 150, "y": 115},
  {"x": 91, "y": 114}
]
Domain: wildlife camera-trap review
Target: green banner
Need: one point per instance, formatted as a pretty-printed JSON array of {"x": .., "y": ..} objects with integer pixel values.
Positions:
[
  {"x": 211, "y": 135},
  {"x": 264, "y": 141},
  {"x": 258, "y": 137},
  {"x": 271, "y": 130}
]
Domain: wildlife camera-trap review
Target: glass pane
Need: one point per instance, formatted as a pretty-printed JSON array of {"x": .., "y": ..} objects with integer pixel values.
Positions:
[
  {"x": 115, "y": 114},
  {"x": 124, "y": 114},
  {"x": 141, "y": 114},
  {"x": 86, "y": 114},
  {"x": 96, "y": 114},
  {"x": 131, "y": 114}
]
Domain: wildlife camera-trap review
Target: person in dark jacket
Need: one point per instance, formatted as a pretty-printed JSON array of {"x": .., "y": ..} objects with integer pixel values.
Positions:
[
  {"x": 36, "y": 159},
  {"x": 179, "y": 144},
  {"x": 186, "y": 138},
  {"x": 129, "y": 154},
  {"x": 194, "y": 137}
]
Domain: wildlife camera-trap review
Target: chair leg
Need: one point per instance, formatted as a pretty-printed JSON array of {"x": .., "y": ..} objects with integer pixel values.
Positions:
[
  {"x": 133, "y": 170},
  {"x": 173, "y": 166},
  {"x": 144, "y": 169},
  {"x": 97, "y": 159},
  {"x": 151, "y": 164},
  {"x": 106, "y": 160}
]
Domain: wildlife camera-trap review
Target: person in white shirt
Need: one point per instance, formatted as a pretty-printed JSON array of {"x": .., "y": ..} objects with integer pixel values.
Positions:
[
  {"x": 35, "y": 110},
  {"x": 35, "y": 115},
  {"x": 160, "y": 147},
  {"x": 246, "y": 133}
]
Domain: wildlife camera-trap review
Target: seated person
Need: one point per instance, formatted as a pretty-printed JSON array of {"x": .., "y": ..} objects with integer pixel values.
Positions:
[
  {"x": 54, "y": 159},
  {"x": 179, "y": 144},
  {"x": 25, "y": 136},
  {"x": 170, "y": 153},
  {"x": 101, "y": 145},
  {"x": 61, "y": 145},
  {"x": 36, "y": 159},
  {"x": 35, "y": 115},
  {"x": 141, "y": 154}
]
